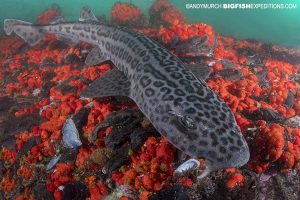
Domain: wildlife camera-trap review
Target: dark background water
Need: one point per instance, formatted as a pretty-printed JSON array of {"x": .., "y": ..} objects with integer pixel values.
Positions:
[{"x": 273, "y": 25}]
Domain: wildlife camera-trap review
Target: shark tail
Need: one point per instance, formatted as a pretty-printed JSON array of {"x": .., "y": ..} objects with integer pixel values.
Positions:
[{"x": 28, "y": 32}]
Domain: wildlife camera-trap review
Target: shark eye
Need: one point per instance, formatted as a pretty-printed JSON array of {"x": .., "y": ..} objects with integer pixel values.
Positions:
[{"x": 187, "y": 122}]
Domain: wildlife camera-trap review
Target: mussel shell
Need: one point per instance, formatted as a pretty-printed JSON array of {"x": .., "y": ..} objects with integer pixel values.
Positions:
[
  {"x": 190, "y": 164},
  {"x": 70, "y": 134},
  {"x": 53, "y": 162}
]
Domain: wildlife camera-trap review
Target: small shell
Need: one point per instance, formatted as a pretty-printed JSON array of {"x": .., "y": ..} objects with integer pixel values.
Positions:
[
  {"x": 61, "y": 188},
  {"x": 212, "y": 64},
  {"x": 83, "y": 98},
  {"x": 122, "y": 190},
  {"x": 45, "y": 107},
  {"x": 36, "y": 92},
  {"x": 53, "y": 162},
  {"x": 187, "y": 165},
  {"x": 90, "y": 105},
  {"x": 70, "y": 134}
]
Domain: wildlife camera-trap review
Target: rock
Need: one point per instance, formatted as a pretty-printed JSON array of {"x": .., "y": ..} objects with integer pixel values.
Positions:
[
  {"x": 75, "y": 191},
  {"x": 14, "y": 125},
  {"x": 265, "y": 114},
  {"x": 117, "y": 120},
  {"x": 68, "y": 155},
  {"x": 289, "y": 101},
  {"x": 174, "y": 192},
  {"x": 121, "y": 157},
  {"x": 27, "y": 146},
  {"x": 101, "y": 156},
  {"x": 230, "y": 74},
  {"x": 262, "y": 78},
  {"x": 80, "y": 118},
  {"x": 40, "y": 192},
  {"x": 67, "y": 89}
]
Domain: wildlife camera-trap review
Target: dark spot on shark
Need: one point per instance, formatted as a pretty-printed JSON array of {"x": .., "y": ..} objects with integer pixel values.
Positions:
[
  {"x": 131, "y": 43},
  {"x": 233, "y": 134},
  {"x": 222, "y": 149},
  {"x": 198, "y": 106},
  {"x": 149, "y": 92},
  {"x": 206, "y": 106},
  {"x": 192, "y": 148},
  {"x": 231, "y": 140},
  {"x": 165, "y": 119},
  {"x": 172, "y": 84},
  {"x": 207, "y": 115},
  {"x": 129, "y": 58},
  {"x": 205, "y": 133},
  {"x": 87, "y": 29},
  {"x": 107, "y": 46},
  {"x": 239, "y": 142},
  {"x": 146, "y": 58},
  {"x": 126, "y": 40},
  {"x": 158, "y": 83},
  {"x": 203, "y": 143},
  {"x": 213, "y": 112},
  {"x": 145, "y": 81},
  {"x": 177, "y": 101},
  {"x": 191, "y": 111},
  {"x": 233, "y": 148},
  {"x": 216, "y": 121},
  {"x": 212, "y": 154},
  {"x": 179, "y": 92},
  {"x": 176, "y": 75},
  {"x": 171, "y": 69}
]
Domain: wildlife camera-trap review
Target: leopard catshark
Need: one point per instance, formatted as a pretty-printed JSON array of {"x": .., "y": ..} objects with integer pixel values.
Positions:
[{"x": 172, "y": 94}]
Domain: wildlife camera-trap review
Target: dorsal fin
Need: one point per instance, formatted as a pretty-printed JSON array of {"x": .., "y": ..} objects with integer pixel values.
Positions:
[
  {"x": 57, "y": 20},
  {"x": 86, "y": 15}
]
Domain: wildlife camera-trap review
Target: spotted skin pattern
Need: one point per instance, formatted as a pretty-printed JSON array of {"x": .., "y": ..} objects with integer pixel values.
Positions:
[{"x": 180, "y": 106}]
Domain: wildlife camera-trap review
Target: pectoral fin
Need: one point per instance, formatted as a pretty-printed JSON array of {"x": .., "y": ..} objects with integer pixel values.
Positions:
[
  {"x": 200, "y": 71},
  {"x": 113, "y": 83}
]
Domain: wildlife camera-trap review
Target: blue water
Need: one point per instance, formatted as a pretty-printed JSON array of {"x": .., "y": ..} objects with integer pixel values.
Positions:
[{"x": 276, "y": 26}]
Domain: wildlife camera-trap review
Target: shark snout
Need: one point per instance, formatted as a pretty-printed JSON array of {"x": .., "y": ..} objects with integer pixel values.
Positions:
[{"x": 240, "y": 157}]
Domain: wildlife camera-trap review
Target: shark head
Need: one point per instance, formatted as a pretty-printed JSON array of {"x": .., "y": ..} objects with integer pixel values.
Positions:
[{"x": 203, "y": 126}]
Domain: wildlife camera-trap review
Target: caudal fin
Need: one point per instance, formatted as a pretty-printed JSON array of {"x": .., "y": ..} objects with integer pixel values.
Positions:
[{"x": 28, "y": 32}]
